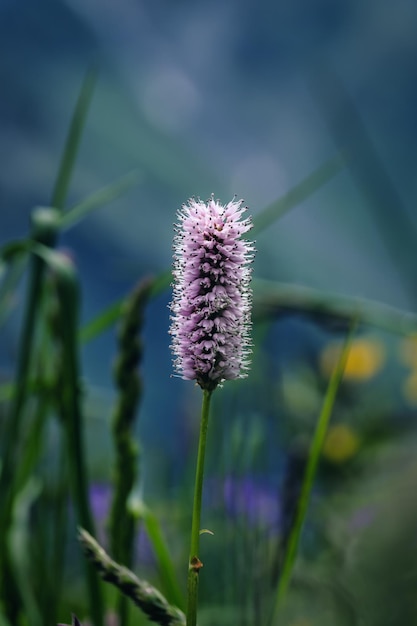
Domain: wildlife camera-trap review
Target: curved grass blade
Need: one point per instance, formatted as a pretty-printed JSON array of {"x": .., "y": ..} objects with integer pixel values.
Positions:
[{"x": 274, "y": 299}]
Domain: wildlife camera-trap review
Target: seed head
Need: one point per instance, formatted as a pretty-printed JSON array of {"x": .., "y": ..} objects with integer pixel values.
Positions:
[{"x": 211, "y": 303}]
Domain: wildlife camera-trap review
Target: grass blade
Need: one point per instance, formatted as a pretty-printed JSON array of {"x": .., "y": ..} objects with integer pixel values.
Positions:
[
  {"x": 165, "y": 566},
  {"x": 69, "y": 155},
  {"x": 111, "y": 314},
  {"x": 98, "y": 199},
  {"x": 102, "y": 322},
  {"x": 297, "y": 194},
  {"x": 274, "y": 299},
  {"x": 310, "y": 472}
]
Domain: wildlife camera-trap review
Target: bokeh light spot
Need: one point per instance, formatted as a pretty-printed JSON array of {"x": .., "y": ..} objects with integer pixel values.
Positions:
[
  {"x": 341, "y": 444},
  {"x": 365, "y": 359}
]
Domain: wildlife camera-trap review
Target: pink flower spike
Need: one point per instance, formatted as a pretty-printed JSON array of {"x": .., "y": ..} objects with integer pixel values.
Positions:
[{"x": 211, "y": 292}]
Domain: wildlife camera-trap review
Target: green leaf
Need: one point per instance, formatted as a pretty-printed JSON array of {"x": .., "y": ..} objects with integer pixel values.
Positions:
[
  {"x": 272, "y": 298},
  {"x": 98, "y": 199},
  {"x": 11, "y": 250},
  {"x": 10, "y": 275},
  {"x": 19, "y": 538},
  {"x": 72, "y": 143},
  {"x": 102, "y": 322},
  {"x": 165, "y": 566},
  {"x": 297, "y": 194}
]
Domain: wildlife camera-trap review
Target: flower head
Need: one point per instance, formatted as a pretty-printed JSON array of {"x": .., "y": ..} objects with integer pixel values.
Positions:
[{"x": 211, "y": 295}]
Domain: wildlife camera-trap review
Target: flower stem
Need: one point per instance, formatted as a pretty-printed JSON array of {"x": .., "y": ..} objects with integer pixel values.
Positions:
[{"x": 195, "y": 564}]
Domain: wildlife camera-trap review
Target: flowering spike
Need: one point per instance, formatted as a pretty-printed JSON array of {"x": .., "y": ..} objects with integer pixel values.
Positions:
[{"x": 211, "y": 301}]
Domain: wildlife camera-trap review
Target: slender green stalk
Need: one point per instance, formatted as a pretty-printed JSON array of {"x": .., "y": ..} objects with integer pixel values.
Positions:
[
  {"x": 195, "y": 564},
  {"x": 310, "y": 472},
  {"x": 60, "y": 533}
]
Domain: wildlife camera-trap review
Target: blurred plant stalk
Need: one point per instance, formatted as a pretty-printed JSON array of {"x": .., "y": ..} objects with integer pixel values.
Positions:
[{"x": 122, "y": 522}]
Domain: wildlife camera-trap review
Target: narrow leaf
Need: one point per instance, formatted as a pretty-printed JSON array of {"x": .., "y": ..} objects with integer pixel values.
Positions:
[
  {"x": 164, "y": 561},
  {"x": 98, "y": 199},
  {"x": 297, "y": 194},
  {"x": 72, "y": 143}
]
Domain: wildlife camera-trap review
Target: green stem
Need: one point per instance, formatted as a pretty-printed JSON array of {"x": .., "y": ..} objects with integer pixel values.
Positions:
[
  {"x": 70, "y": 405},
  {"x": 310, "y": 472},
  {"x": 44, "y": 230},
  {"x": 194, "y": 562}
]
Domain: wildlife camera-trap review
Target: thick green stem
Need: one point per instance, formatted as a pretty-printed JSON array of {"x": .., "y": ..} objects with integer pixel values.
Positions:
[{"x": 195, "y": 564}]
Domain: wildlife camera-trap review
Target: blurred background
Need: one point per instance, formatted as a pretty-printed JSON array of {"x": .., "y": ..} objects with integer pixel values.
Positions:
[{"x": 247, "y": 98}]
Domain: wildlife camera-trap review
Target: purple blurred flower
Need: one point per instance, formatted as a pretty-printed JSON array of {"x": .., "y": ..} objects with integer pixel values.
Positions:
[
  {"x": 252, "y": 500},
  {"x": 100, "y": 499},
  {"x": 362, "y": 518},
  {"x": 211, "y": 296}
]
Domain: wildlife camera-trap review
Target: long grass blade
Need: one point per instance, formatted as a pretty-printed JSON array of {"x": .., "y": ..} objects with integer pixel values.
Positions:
[
  {"x": 98, "y": 199},
  {"x": 275, "y": 299},
  {"x": 165, "y": 566},
  {"x": 298, "y": 193},
  {"x": 69, "y": 155},
  {"x": 70, "y": 407},
  {"x": 310, "y": 473}
]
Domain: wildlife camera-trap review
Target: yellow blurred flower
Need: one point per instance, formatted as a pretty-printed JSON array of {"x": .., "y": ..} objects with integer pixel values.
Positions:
[
  {"x": 365, "y": 359},
  {"x": 341, "y": 443}
]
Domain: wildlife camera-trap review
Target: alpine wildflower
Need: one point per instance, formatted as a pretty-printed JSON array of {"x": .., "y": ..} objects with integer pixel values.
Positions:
[{"x": 211, "y": 303}]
